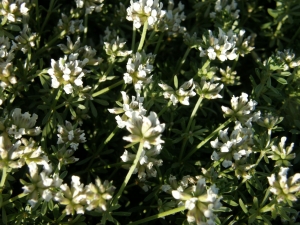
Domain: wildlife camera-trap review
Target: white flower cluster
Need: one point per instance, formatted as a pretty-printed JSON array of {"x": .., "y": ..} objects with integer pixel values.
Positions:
[
  {"x": 14, "y": 10},
  {"x": 200, "y": 201},
  {"x": 7, "y": 77},
  {"x": 181, "y": 95},
  {"x": 70, "y": 26},
  {"x": 15, "y": 149},
  {"x": 242, "y": 109},
  {"x": 288, "y": 57},
  {"x": 229, "y": 9},
  {"x": 282, "y": 155},
  {"x": 145, "y": 10},
  {"x": 90, "y": 5},
  {"x": 209, "y": 89},
  {"x": 79, "y": 198},
  {"x": 25, "y": 40},
  {"x": 127, "y": 108},
  {"x": 113, "y": 45},
  {"x": 285, "y": 188},
  {"x": 23, "y": 124},
  {"x": 172, "y": 19},
  {"x": 146, "y": 164},
  {"x": 85, "y": 53},
  {"x": 139, "y": 67},
  {"x": 70, "y": 135},
  {"x": 221, "y": 47},
  {"x": 234, "y": 147},
  {"x": 40, "y": 184},
  {"x": 68, "y": 72},
  {"x": 227, "y": 46},
  {"x": 229, "y": 77}
]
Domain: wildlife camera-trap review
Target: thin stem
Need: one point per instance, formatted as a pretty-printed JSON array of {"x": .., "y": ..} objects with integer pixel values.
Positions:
[
  {"x": 14, "y": 198},
  {"x": 3, "y": 178},
  {"x": 183, "y": 60},
  {"x": 208, "y": 138},
  {"x": 158, "y": 42},
  {"x": 159, "y": 215},
  {"x": 47, "y": 45},
  {"x": 111, "y": 135},
  {"x": 143, "y": 36},
  {"x": 104, "y": 90},
  {"x": 49, "y": 11},
  {"x": 189, "y": 125},
  {"x": 85, "y": 27},
  {"x": 164, "y": 108},
  {"x": 130, "y": 172}
]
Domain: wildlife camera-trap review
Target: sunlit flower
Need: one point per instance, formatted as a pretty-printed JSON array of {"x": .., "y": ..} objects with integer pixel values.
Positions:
[{"x": 282, "y": 155}]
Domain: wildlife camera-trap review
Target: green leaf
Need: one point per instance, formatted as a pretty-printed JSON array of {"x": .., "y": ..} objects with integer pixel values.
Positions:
[
  {"x": 103, "y": 102},
  {"x": 274, "y": 13},
  {"x": 63, "y": 174},
  {"x": 280, "y": 80},
  {"x": 94, "y": 110},
  {"x": 72, "y": 111},
  {"x": 50, "y": 205},
  {"x": 230, "y": 202},
  {"x": 4, "y": 216},
  {"x": 81, "y": 106},
  {"x": 175, "y": 82},
  {"x": 12, "y": 27},
  {"x": 242, "y": 205},
  {"x": 44, "y": 208}
]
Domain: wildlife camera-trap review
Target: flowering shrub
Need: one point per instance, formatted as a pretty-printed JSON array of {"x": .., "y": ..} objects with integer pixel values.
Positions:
[{"x": 150, "y": 112}]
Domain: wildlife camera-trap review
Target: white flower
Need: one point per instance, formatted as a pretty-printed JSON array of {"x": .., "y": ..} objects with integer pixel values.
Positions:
[{"x": 145, "y": 10}]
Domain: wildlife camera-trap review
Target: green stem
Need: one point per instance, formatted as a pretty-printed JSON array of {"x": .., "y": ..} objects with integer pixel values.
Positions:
[
  {"x": 164, "y": 108},
  {"x": 111, "y": 135},
  {"x": 104, "y": 90},
  {"x": 49, "y": 11},
  {"x": 158, "y": 42},
  {"x": 53, "y": 107},
  {"x": 130, "y": 172},
  {"x": 182, "y": 60},
  {"x": 85, "y": 28},
  {"x": 159, "y": 215},
  {"x": 14, "y": 198},
  {"x": 133, "y": 39},
  {"x": 50, "y": 43},
  {"x": 143, "y": 36},
  {"x": 3, "y": 178},
  {"x": 209, "y": 137},
  {"x": 189, "y": 125}
]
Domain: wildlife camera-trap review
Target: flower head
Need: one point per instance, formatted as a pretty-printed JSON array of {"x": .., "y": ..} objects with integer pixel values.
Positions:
[
  {"x": 181, "y": 95},
  {"x": 145, "y": 10},
  {"x": 282, "y": 155},
  {"x": 147, "y": 129}
]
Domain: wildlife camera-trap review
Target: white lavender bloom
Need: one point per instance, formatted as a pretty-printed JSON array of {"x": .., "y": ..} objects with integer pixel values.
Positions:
[
  {"x": 233, "y": 147},
  {"x": 222, "y": 47},
  {"x": 73, "y": 198},
  {"x": 209, "y": 90},
  {"x": 242, "y": 109},
  {"x": 181, "y": 95},
  {"x": 147, "y": 129},
  {"x": 146, "y": 164},
  {"x": 70, "y": 135},
  {"x": 282, "y": 155},
  {"x": 200, "y": 201},
  {"x": 14, "y": 10},
  {"x": 139, "y": 67},
  {"x": 23, "y": 124},
  {"x": 90, "y": 5},
  {"x": 68, "y": 73},
  {"x": 145, "y": 10},
  {"x": 285, "y": 188},
  {"x": 127, "y": 108}
]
